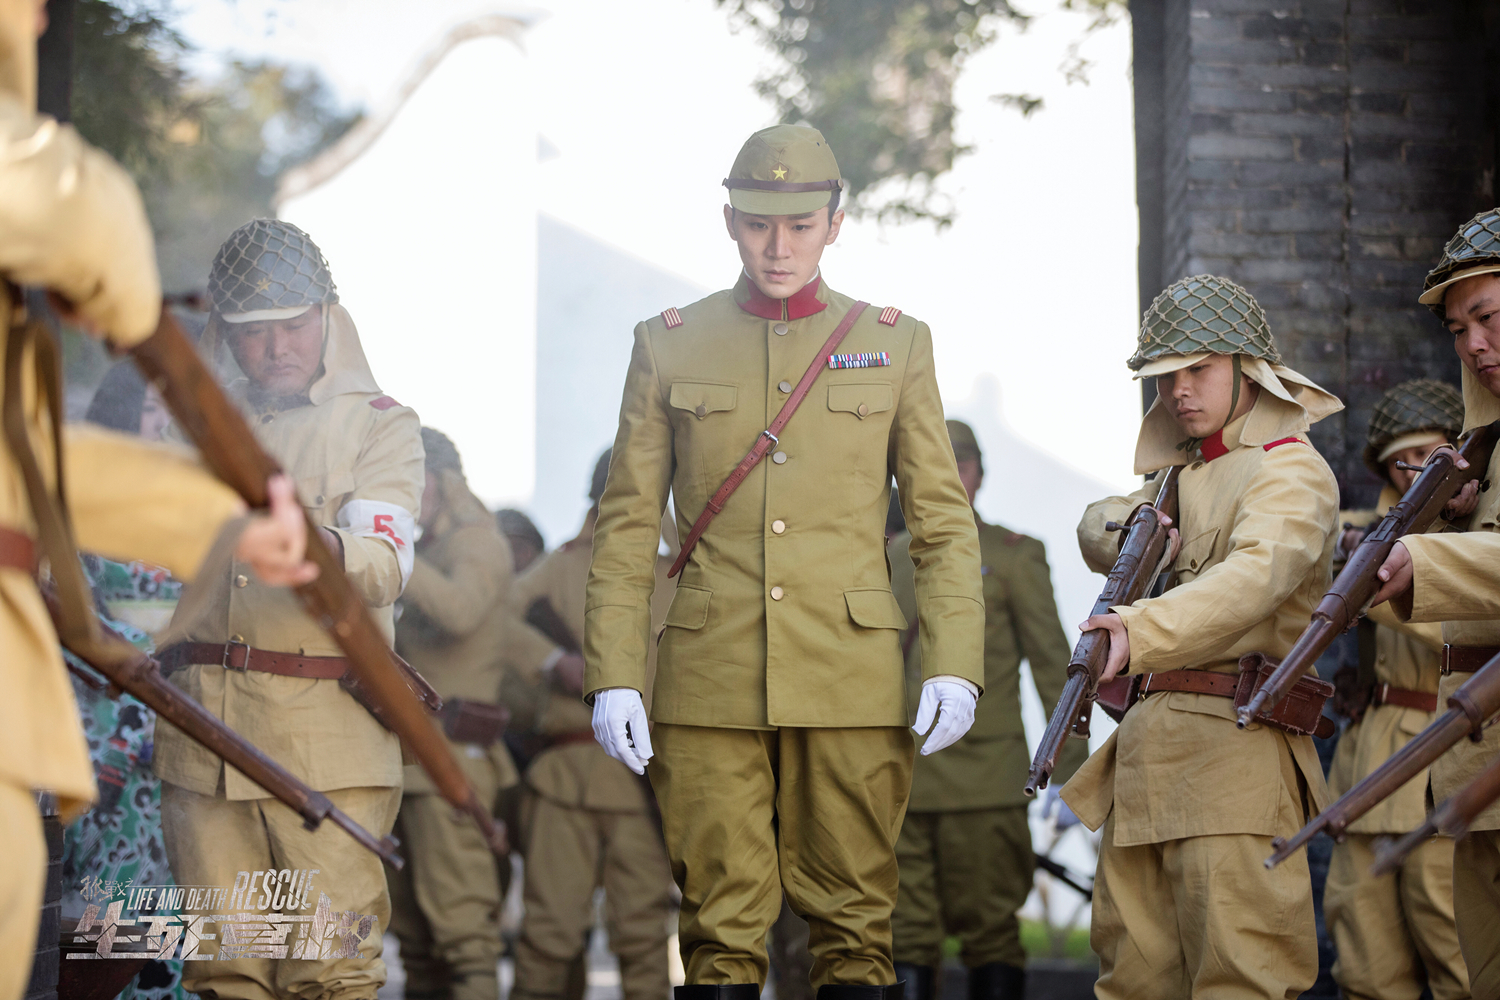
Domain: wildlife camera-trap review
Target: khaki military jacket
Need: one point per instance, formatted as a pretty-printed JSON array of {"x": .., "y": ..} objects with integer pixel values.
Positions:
[
  {"x": 357, "y": 461},
  {"x": 1258, "y": 526},
  {"x": 1406, "y": 656},
  {"x": 784, "y": 615},
  {"x": 71, "y": 220},
  {"x": 987, "y": 767}
]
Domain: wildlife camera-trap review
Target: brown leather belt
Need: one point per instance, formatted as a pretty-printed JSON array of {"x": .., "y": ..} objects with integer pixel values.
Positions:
[
  {"x": 1466, "y": 659},
  {"x": 1195, "y": 681},
  {"x": 238, "y": 656},
  {"x": 17, "y": 551},
  {"x": 1384, "y": 694},
  {"x": 1299, "y": 712}
]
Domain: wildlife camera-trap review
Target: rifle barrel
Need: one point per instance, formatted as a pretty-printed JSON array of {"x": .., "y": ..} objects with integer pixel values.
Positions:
[
  {"x": 1056, "y": 733},
  {"x": 1390, "y": 854}
]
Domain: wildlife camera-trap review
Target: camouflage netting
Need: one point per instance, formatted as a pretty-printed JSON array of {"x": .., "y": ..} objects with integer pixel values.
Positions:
[
  {"x": 269, "y": 264},
  {"x": 1422, "y": 404},
  {"x": 1204, "y": 313},
  {"x": 1476, "y": 242}
]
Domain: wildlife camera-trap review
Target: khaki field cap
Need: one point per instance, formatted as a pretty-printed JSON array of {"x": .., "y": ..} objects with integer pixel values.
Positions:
[
  {"x": 965, "y": 444},
  {"x": 783, "y": 170},
  {"x": 1474, "y": 249}
]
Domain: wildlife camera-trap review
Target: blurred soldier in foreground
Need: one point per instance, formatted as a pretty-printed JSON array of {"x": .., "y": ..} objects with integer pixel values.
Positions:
[
  {"x": 1451, "y": 577},
  {"x": 1183, "y": 905},
  {"x": 588, "y": 821},
  {"x": 1395, "y": 935},
  {"x": 71, "y": 221},
  {"x": 453, "y": 624},
  {"x": 965, "y": 846},
  {"x": 779, "y": 702},
  {"x": 254, "y": 657}
]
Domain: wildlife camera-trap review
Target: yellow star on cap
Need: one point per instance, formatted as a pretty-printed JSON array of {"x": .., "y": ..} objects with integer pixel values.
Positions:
[{"x": 780, "y": 173}]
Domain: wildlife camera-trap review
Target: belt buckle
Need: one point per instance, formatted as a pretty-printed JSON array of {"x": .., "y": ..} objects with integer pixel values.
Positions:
[
  {"x": 1381, "y": 691},
  {"x": 1446, "y": 666},
  {"x": 224, "y": 661},
  {"x": 1145, "y": 687}
]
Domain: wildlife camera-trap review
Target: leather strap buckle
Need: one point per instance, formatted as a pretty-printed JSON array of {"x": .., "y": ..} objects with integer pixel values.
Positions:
[
  {"x": 1145, "y": 687},
  {"x": 227, "y": 661},
  {"x": 774, "y": 439},
  {"x": 1381, "y": 692}
]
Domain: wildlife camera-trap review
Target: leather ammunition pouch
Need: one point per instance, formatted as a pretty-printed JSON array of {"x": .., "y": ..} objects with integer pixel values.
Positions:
[
  {"x": 476, "y": 722},
  {"x": 1300, "y": 712}
]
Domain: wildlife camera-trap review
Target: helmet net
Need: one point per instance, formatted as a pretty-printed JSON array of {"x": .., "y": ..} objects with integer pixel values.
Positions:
[
  {"x": 1204, "y": 313},
  {"x": 1420, "y": 405},
  {"x": 269, "y": 264},
  {"x": 1476, "y": 242}
]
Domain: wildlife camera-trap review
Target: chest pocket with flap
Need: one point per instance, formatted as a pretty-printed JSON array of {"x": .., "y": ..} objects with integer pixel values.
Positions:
[
  {"x": 1196, "y": 554},
  {"x": 860, "y": 398},
  {"x": 702, "y": 398},
  {"x": 325, "y": 492}
]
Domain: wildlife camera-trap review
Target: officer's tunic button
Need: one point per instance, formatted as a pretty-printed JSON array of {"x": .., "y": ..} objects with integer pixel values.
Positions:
[
  {"x": 1197, "y": 465},
  {"x": 702, "y": 411},
  {"x": 779, "y": 458},
  {"x": 864, "y": 409},
  {"x": 267, "y": 418},
  {"x": 318, "y": 500},
  {"x": 785, "y": 387},
  {"x": 780, "y": 329},
  {"x": 778, "y": 526},
  {"x": 242, "y": 580},
  {"x": 237, "y": 638},
  {"x": 777, "y": 593}
]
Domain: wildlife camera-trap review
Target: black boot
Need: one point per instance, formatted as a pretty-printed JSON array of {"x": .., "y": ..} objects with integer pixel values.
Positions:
[
  {"x": 997, "y": 981},
  {"x": 734, "y": 991},
  {"x": 919, "y": 980},
  {"x": 831, "y": 991}
]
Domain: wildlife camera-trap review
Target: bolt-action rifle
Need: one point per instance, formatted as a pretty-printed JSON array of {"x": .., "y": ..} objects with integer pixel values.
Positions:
[
  {"x": 1131, "y": 576},
  {"x": 1470, "y": 709},
  {"x": 171, "y": 363},
  {"x": 1452, "y": 818},
  {"x": 129, "y": 670},
  {"x": 1439, "y": 481}
]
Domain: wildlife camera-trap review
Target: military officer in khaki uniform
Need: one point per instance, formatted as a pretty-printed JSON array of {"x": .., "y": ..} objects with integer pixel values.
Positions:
[
  {"x": 252, "y": 656},
  {"x": 965, "y": 847},
  {"x": 587, "y": 820},
  {"x": 72, "y": 221},
  {"x": 1396, "y": 935},
  {"x": 1183, "y": 905},
  {"x": 1452, "y": 579},
  {"x": 779, "y": 703},
  {"x": 453, "y": 629}
]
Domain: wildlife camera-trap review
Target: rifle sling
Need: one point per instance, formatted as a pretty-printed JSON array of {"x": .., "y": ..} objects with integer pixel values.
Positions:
[{"x": 767, "y": 438}]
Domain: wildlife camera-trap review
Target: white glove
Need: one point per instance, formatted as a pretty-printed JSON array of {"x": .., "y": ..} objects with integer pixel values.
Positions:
[
  {"x": 1054, "y": 806},
  {"x": 951, "y": 701},
  {"x": 614, "y": 710}
]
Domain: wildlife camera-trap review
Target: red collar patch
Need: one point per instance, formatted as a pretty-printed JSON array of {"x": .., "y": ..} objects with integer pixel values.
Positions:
[
  {"x": 1213, "y": 447},
  {"x": 803, "y": 303}
]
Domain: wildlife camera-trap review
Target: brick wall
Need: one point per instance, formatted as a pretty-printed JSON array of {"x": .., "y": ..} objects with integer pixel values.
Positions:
[{"x": 1319, "y": 152}]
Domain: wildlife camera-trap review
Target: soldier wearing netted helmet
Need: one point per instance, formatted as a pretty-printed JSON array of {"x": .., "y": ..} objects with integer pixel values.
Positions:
[
  {"x": 1188, "y": 805},
  {"x": 252, "y": 654},
  {"x": 1394, "y": 936},
  {"x": 1452, "y": 574}
]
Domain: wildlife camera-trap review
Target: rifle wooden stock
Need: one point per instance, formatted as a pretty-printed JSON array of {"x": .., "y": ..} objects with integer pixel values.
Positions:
[
  {"x": 1453, "y": 818},
  {"x": 1470, "y": 709},
  {"x": 132, "y": 671},
  {"x": 1130, "y": 577},
  {"x": 1345, "y": 601},
  {"x": 171, "y": 363}
]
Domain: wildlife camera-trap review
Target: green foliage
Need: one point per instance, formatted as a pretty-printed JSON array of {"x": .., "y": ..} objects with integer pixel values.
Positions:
[{"x": 876, "y": 78}]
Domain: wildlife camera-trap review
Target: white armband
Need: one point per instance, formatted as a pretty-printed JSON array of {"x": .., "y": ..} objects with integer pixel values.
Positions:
[{"x": 391, "y": 524}]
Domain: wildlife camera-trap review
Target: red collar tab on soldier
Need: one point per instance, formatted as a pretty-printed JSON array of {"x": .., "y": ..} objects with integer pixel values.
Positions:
[
  {"x": 803, "y": 303},
  {"x": 1213, "y": 447}
]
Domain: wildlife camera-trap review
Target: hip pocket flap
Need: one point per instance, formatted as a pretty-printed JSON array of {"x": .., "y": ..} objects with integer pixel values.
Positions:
[
  {"x": 861, "y": 399},
  {"x": 874, "y": 609},
  {"x": 689, "y": 608}
]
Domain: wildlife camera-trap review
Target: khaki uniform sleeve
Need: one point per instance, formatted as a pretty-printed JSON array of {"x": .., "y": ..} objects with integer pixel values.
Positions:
[
  {"x": 1455, "y": 576},
  {"x": 1101, "y": 548},
  {"x": 526, "y": 649},
  {"x": 132, "y": 499},
  {"x": 944, "y": 539},
  {"x": 617, "y": 628},
  {"x": 1276, "y": 540},
  {"x": 74, "y": 222},
  {"x": 389, "y": 469},
  {"x": 459, "y": 600},
  {"x": 1429, "y": 634},
  {"x": 1043, "y": 642}
]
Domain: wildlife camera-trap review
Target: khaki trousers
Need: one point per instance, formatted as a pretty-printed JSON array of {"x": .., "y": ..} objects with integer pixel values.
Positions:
[
  {"x": 1476, "y": 905},
  {"x": 569, "y": 852},
  {"x": 965, "y": 874},
  {"x": 1395, "y": 934},
  {"x": 814, "y": 813},
  {"x": 1202, "y": 917},
  {"x": 445, "y": 904},
  {"x": 209, "y": 839},
  {"x": 23, "y": 875}
]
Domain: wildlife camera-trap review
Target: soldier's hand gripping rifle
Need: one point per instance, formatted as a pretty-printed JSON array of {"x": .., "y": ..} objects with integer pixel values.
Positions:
[
  {"x": 1439, "y": 481},
  {"x": 171, "y": 363},
  {"x": 1470, "y": 710},
  {"x": 132, "y": 671},
  {"x": 1134, "y": 571},
  {"x": 1453, "y": 818}
]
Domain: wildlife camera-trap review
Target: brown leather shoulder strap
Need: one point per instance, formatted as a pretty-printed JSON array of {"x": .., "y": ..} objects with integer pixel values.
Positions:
[{"x": 767, "y": 438}]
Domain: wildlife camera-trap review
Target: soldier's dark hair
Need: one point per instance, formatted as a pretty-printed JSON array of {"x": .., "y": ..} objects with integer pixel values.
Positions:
[
  {"x": 442, "y": 453},
  {"x": 514, "y": 524},
  {"x": 601, "y": 476}
]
